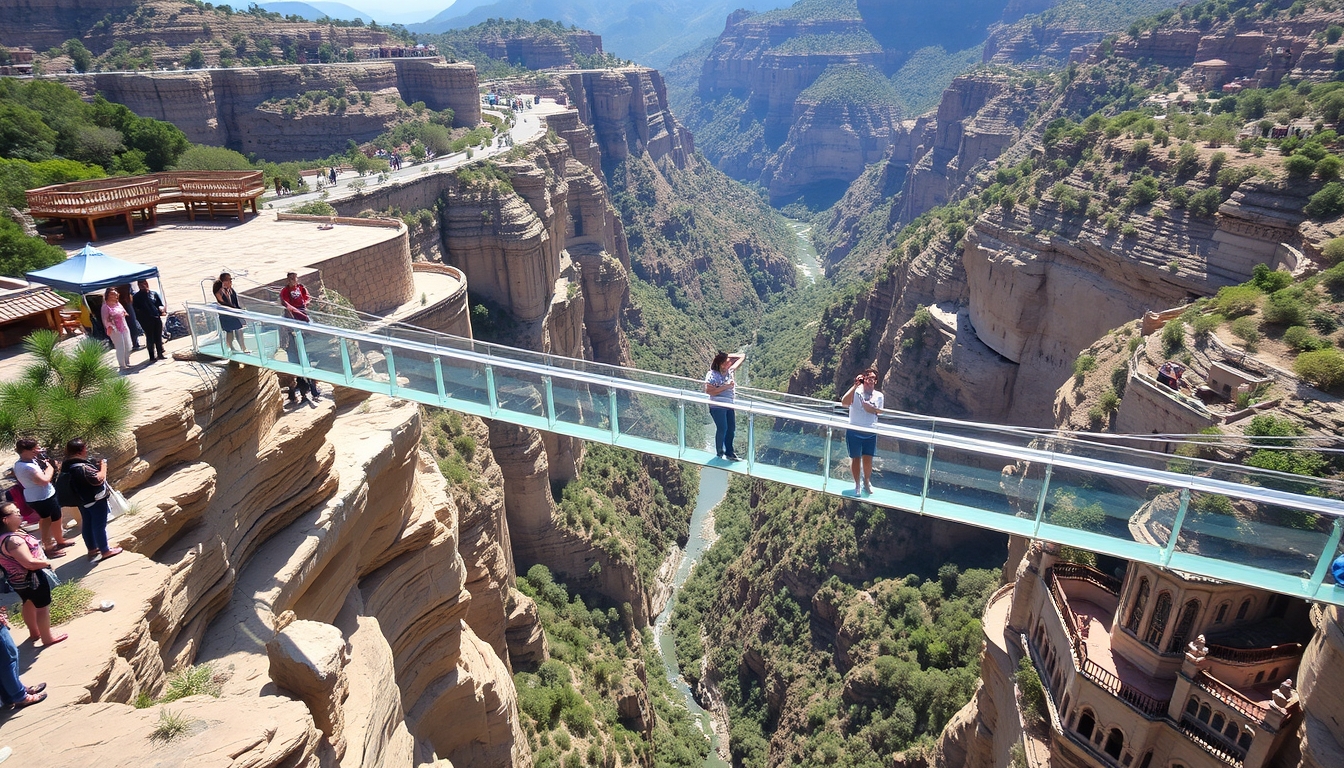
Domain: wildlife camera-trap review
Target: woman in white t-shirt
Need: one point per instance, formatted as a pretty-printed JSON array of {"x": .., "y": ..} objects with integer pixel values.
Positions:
[
  {"x": 35, "y": 472},
  {"x": 864, "y": 403},
  {"x": 720, "y": 386}
]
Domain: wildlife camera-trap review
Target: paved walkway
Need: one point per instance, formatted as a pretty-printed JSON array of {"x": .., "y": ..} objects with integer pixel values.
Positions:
[{"x": 528, "y": 126}]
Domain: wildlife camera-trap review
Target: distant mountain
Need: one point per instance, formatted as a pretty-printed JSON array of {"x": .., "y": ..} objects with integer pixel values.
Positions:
[
  {"x": 316, "y": 10},
  {"x": 651, "y": 32}
]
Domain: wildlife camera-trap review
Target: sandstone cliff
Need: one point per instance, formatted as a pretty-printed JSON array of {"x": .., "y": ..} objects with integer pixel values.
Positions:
[
  {"x": 329, "y": 515},
  {"x": 227, "y": 107}
]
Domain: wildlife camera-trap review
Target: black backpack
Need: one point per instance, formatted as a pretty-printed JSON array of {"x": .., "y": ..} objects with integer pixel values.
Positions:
[{"x": 70, "y": 490}]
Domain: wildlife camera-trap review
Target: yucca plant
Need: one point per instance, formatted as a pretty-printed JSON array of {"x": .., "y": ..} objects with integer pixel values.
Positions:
[{"x": 65, "y": 393}]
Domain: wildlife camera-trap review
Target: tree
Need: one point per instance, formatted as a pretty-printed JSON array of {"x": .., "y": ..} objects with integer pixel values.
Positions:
[
  {"x": 23, "y": 135},
  {"x": 65, "y": 394},
  {"x": 195, "y": 59},
  {"x": 20, "y": 253},
  {"x": 78, "y": 54},
  {"x": 201, "y": 157},
  {"x": 163, "y": 143}
]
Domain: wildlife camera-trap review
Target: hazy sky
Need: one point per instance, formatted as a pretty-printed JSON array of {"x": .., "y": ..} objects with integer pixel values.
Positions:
[{"x": 406, "y": 11}]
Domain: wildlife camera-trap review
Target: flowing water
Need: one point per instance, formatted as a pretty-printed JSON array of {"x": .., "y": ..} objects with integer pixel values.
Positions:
[{"x": 805, "y": 257}]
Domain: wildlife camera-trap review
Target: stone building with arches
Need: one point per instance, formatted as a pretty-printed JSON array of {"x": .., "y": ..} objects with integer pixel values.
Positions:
[{"x": 1145, "y": 667}]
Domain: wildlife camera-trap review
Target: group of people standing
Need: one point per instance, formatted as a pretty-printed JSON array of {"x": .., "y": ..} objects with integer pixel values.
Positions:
[
  {"x": 127, "y": 318},
  {"x": 863, "y": 400},
  {"x": 45, "y": 488}
]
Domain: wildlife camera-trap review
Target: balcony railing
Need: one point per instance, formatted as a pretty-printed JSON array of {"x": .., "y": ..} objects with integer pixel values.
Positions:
[
  {"x": 1084, "y": 573},
  {"x": 1255, "y": 655},
  {"x": 1213, "y": 742},
  {"x": 1067, "y": 618},
  {"x": 1145, "y": 704},
  {"x": 1229, "y": 696}
]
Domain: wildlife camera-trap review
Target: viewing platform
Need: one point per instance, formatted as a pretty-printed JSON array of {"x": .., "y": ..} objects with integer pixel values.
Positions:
[{"x": 81, "y": 203}]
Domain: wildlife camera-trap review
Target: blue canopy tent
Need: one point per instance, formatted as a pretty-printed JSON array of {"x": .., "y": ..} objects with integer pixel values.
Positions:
[{"x": 91, "y": 271}]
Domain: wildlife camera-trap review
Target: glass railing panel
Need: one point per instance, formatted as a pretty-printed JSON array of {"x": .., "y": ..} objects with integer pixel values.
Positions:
[
  {"x": 581, "y": 405},
  {"x": 647, "y": 416},
  {"x": 464, "y": 381},
  {"x": 205, "y": 330},
  {"x": 1116, "y": 516},
  {"x": 519, "y": 392},
  {"x": 1278, "y": 539},
  {"x": 700, "y": 433},
  {"x": 789, "y": 444},
  {"x": 1002, "y": 493},
  {"x": 322, "y": 348}
]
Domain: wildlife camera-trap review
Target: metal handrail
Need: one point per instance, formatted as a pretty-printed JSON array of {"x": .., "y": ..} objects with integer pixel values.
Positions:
[
  {"x": 1229, "y": 696},
  {"x": 1254, "y": 655},
  {"x": 1088, "y": 574},
  {"x": 749, "y": 405}
]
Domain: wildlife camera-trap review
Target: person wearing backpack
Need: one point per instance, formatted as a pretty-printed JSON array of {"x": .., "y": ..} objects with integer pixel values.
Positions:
[
  {"x": 83, "y": 484},
  {"x": 23, "y": 564}
]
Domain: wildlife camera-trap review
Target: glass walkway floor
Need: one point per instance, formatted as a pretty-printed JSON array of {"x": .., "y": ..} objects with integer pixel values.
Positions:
[{"x": 1238, "y": 524}]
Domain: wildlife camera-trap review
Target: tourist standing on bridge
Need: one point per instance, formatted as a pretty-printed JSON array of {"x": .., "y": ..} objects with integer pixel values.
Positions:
[
  {"x": 721, "y": 388},
  {"x": 118, "y": 331},
  {"x": 864, "y": 403},
  {"x": 295, "y": 299},
  {"x": 232, "y": 326},
  {"x": 149, "y": 310}
]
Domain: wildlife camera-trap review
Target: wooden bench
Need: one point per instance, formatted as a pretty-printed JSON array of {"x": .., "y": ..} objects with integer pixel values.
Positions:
[{"x": 80, "y": 203}]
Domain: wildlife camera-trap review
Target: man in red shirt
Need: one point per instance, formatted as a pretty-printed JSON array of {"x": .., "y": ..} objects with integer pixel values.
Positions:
[{"x": 294, "y": 298}]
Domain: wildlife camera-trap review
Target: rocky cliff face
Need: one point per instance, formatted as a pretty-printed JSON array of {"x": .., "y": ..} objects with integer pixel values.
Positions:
[
  {"x": 227, "y": 107},
  {"x": 252, "y": 517},
  {"x": 540, "y": 51},
  {"x": 628, "y": 113}
]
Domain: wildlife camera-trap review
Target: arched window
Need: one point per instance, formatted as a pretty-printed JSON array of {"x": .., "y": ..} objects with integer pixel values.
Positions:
[
  {"x": 1183, "y": 626},
  {"x": 1222, "y": 613},
  {"x": 1245, "y": 607},
  {"x": 1158, "y": 623},
  {"x": 1203, "y": 713},
  {"x": 1147, "y": 759},
  {"x": 1244, "y": 741},
  {"x": 1217, "y": 722},
  {"x": 1115, "y": 743},
  {"x": 1086, "y": 724},
  {"x": 1260, "y": 677},
  {"x": 1192, "y": 707},
  {"x": 1274, "y": 674},
  {"x": 1140, "y": 602},
  {"x": 1231, "y": 731}
]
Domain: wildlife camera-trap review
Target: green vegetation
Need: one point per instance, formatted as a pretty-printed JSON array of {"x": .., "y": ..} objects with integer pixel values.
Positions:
[
  {"x": 314, "y": 208},
  {"x": 921, "y": 80},
  {"x": 466, "y": 45},
  {"x": 619, "y": 504},
  {"x": 813, "y": 10},
  {"x": 831, "y": 43},
  {"x": 195, "y": 680},
  {"x": 915, "y": 639},
  {"x": 172, "y": 725},
  {"x": 69, "y": 601},
  {"x": 841, "y": 85},
  {"x": 64, "y": 393},
  {"x": 1033, "y": 693},
  {"x": 20, "y": 253},
  {"x": 569, "y": 702},
  {"x": 1322, "y": 368}
]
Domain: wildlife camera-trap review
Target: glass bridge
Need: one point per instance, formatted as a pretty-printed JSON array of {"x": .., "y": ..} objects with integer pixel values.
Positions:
[{"x": 1228, "y": 522}]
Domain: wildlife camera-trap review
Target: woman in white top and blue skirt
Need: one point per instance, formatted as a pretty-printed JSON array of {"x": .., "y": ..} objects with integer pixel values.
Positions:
[{"x": 720, "y": 386}]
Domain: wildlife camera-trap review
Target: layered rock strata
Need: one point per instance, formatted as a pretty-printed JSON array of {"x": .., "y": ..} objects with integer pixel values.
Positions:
[
  {"x": 628, "y": 113},
  {"x": 251, "y": 517},
  {"x": 227, "y": 107}
]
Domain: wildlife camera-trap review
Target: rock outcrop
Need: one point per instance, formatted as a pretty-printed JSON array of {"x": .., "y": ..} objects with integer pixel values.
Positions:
[
  {"x": 628, "y": 113},
  {"x": 229, "y": 107},
  {"x": 327, "y": 514}
]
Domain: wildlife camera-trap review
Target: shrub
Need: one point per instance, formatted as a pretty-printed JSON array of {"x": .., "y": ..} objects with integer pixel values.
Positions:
[
  {"x": 1129, "y": 230},
  {"x": 190, "y": 681},
  {"x": 1237, "y": 300},
  {"x": 1173, "y": 337},
  {"x": 1333, "y": 251},
  {"x": 1328, "y": 167},
  {"x": 1323, "y": 368},
  {"x": 1333, "y": 278},
  {"x": 1205, "y": 202},
  {"x": 314, "y": 208},
  {"x": 1299, "y": 166},
  {"x": 20, "y": 253},
  {"x": 1326, "y": 203},
  {"x": 1269, "y": 280},
  {"x": 1285, "y": 307},
  {"x": 1179, "y": 196},
  {"x": 1119, "y": 379},
  {"x": 1247, "y": 330},
  {"x": 204, "y": 158},
  {"x": 1303, "y": 340},
  {"x": 64, "y": 393},
  {"x": 1206, "y": 324},
  {"x": 1082, "y": 366},
  {"x": 1033, "y": 693},
  {"x": 1109, "y": 402},
  {"x": 1323, "y": 322}
]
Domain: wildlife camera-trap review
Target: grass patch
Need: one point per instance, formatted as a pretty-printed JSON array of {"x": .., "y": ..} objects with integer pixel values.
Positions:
[
  {"x": 68, "y": 601},
  {"x": 172, "y": 725},
  {"x": 190, "y": 681}
]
